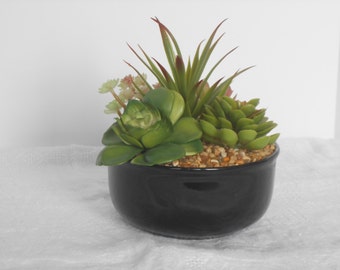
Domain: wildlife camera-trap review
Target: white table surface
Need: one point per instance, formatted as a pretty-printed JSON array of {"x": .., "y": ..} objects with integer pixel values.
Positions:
[{"x": 56, "y": 213}]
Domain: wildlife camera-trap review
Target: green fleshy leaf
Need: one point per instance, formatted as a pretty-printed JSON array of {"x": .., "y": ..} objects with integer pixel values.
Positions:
[
  {"x": 224, "y": 123},
  {"x": 228, "y": 137},
  {"x": 252, "y": 126},
  {"x": 254, "y": 102},
  {"x": 193, "y": 147},
  {"x": 243, "y": 122},
  {"x": 117, "y": 154},
  {"x": 258, "y": 143},
  {"x": 246, "y": 136},
  {"x": 139, "y": 160},
  {"x": 164, "y": 153},
  {"x": 232, "y": 102},
  {"x": 265, "y": 128},
  {"x": 248, "y": 109},
  {"x": 157, "y": 134},
  {"x": 225, "y": 106},
  {"x": 130, "y": 140},
  {"x": 209, "y": 110},
  {"x": 211, "y": 119},
  {"x": 211, "y": 139},
  {"x": 236, "y": 115},
  {"x": 140, "y": 115},
  {"x": 208, "y": 128},
  {"x": 169, "y": 102},
  {"x": 185, "y": 130},
  {"x": 110, "y": 137},
  {"x": 264, "y": 120},
  {"x": 265, "y": 125},
  {"x": 259, "y": 115},
  {"x": 273, "y": 138},
  {"x": 218, "y": 108}
]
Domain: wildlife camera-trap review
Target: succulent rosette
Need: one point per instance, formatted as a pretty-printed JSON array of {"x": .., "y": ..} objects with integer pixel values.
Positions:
[{"x": 151, "y": 131}]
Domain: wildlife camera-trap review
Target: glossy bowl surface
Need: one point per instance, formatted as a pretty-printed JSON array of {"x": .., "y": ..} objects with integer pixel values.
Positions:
[{"x": 192, "y": 203}]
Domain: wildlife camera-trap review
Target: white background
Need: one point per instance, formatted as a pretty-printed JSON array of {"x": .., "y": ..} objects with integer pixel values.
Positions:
[{"x": 54, "y": 55}]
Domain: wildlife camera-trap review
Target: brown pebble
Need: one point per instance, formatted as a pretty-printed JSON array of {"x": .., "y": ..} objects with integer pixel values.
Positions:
[{"x": 218, "y": 156}]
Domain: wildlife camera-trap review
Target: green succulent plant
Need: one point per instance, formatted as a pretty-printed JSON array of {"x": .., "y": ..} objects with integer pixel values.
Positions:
[
  {"x": 230, "y": 122},
  {"x": 160, "y": 123},
  {"x": 151, "y": 131}
]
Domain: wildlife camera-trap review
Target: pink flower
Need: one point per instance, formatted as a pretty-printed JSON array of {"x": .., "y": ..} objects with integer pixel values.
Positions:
[{"x": 127, "y": 81}]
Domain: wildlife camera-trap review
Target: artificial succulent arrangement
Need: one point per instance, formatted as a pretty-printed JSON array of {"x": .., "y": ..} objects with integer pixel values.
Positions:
[{"x": 174, "y": 118}]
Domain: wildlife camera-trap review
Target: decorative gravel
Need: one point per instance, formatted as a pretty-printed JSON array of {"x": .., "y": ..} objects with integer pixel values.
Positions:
[{"x": 219, "y": 156}]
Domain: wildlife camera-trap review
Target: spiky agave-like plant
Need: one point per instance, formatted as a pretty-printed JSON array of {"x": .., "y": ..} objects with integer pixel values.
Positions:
[{"x": 188, "y": 79}]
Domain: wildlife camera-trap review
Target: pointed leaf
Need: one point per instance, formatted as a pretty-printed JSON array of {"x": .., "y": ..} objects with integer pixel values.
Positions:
[
  {"x": 110, "y": 137},
  {"x": 117, "y": 154},
  {"x": 208, "y": 109},
  {"x": 265, "y": 131},
  {"x": 130, "y": 140},
  {"x": 150, "y": 65},
  {"x": 180, "y": 77},
  {"x": 254, "y": 101},
  {"x": 228, "y": 137},
  {"x": 208, "y": 128},
  {"x": 243, "y": 122},
  {"x": 258, "y": 115},
  {"x": 248, "y": 109},
  {"x": 169, "y": 42},
  {"x": 140, "y": 75},
  {"x": 232, "y": 102},
  {"x": 140, "y": 160},
  {"x": 157, "y": 134},
  {"x": 218, "y": 108},
  {"x": 273, "y": 138},
  {"x": 224, "y": 123},
  {"x": 185, "y": 130},
  {"x": 193, "y": 147},
  {"x": 212, "y": 119},
  {"x": 164, "y": 153},
  {"x": 258, "y": 143},
  {"x": 170, "y": 83},
  {"x": 246, "y": 136},
  {"x": 265, "y": 125},
  {"x": 205, "y": 80},
  {"x": 125, "y": 137},
  {"x": 251, "y": 126},
  {"x": 236, "y": 115},
  {"x": 225, "y": 106},
  {"x": 265, "y": 128},
  {"x": 205, "y": 99}
]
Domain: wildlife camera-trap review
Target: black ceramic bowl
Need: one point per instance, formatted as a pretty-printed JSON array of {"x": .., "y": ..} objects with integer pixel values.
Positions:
[{"x": 192, "y": 203}]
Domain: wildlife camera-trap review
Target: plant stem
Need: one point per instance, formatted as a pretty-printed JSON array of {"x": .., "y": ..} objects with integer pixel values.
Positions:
[{"x": 121, "y": 103}]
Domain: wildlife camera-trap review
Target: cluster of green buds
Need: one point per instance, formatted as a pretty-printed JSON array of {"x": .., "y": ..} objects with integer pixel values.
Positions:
[
  {"x": 233, "y": 123},
  {"x": 151, "y": 131}
]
